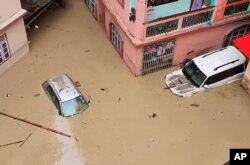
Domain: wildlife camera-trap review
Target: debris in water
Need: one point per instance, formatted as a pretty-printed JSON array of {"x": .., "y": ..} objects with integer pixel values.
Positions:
[
  {"x": 105, "y": 89},
  {"x": 119, "y": 99},
  {"x": 77, "y": 83},
  {"x": 154, "y": 115},
  {"x": 194, "y": 105},
  {"x": 9, "y": 94},
  {"x": 11, "y": 143},
  {"x": 36, "y": 26},
  {"x": 36, "y": 95},
  {"x": 86, "y": 50},
  {"x": 25, "y": 140}
]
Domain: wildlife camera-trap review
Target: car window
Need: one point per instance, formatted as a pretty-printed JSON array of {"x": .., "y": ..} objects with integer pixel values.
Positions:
[
  {"x": 225, "y": 74},
  {"x": 194, "y": 74},
  {"x": 74, "y": 106},
  {"x": 53, "y": 97},
  {"x": 216, "y": 78}
]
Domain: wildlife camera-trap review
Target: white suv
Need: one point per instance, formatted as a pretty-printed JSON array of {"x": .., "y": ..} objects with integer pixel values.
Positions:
[{"x": 210, "y": 70}]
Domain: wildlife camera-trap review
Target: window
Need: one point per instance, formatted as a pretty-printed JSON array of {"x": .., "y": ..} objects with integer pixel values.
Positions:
[
  {"x": 225, "y": 74},
  {"x": 159, "y": 2},
  {"x": 194, "y": 74},
  {"x": 236, "y": 33},
  {"x": 53, "y": 97},
  {"x": 230, "y": 1},
  {"x": 76, "y": 105},
  {"x": 198, "y": 4},
  {"x": 4, "y": 49}
]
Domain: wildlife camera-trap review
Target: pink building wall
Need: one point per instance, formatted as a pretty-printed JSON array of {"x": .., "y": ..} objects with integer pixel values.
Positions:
[
  {"x": 189, "y": 42},
  {"x": 13, "y": 28},
  {"x": 135, "y": 28},
  {"x": 100, "y": 11},
  {"x": 196, "y": 43},
  {"x": 132, "y": 55}
]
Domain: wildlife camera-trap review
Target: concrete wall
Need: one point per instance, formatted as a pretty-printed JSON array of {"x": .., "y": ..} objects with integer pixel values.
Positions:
[
  {"x": 123, "y": 13},
  {"x": 8, "y": 8},
  {"x": 131, "y": 55},
  {"x": 17, "y": 42},
  {"x": 12, "y": 26},
  {"x": 100, "y": 13}
]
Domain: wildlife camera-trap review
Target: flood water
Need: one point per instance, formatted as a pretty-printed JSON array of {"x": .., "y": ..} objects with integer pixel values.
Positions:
[{"x": 133, "y": 121}]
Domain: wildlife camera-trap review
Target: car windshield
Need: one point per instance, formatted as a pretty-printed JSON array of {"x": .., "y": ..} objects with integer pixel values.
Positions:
[
  {"x": 194, "y": 74},
  {"x": 74, "y": 106}
]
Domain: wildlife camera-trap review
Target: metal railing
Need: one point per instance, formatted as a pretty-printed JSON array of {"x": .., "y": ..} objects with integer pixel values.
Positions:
[
  {"x": 197, "y": 19},
  {"x": 233, "y": 9},
  {"x": 162, "y": 28},
  {"x": 178, "y": 22}
]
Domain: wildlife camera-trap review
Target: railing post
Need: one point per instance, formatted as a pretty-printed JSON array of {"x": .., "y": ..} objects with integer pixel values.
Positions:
[
  {"x": 219, "y": 10},
  {"x": 180, "y": 21}
]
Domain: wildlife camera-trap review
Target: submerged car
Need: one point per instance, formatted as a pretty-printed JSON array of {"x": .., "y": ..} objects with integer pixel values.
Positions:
[
  {"x": 63, "y": 92},
  {"x": 210, "y": 70}
]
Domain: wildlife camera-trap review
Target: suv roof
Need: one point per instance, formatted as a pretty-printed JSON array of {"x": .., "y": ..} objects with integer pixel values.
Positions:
[
  {"x": 64, "y": 87},
  {"x": 219, "y": 60}
]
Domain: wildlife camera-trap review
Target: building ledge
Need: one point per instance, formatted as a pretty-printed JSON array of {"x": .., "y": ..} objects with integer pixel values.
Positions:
[{"x": 11, "y": 19}]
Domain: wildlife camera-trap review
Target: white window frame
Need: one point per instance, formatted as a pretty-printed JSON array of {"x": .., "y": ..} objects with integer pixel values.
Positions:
[{"x": 4, "y": 49}]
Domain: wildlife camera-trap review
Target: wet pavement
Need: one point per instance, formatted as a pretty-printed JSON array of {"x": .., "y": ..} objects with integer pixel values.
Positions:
[{"x": 130, "y": 121}]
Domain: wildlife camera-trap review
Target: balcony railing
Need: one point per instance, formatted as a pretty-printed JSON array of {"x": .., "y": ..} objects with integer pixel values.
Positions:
[
  {"x": 179, "y": 22},
  {"x": 162, "y": 28},
  {"x": 233, "y": 9},
  {"x": 197, "y": 19}
]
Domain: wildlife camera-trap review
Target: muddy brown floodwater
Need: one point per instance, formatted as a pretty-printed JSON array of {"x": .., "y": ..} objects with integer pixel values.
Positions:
[{"x": 134, "y": 121}]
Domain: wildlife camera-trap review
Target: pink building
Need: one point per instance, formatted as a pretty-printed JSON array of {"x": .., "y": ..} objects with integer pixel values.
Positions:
[
  {"x": 152, "y": 35},
  {"x": 13, "y": 39}
]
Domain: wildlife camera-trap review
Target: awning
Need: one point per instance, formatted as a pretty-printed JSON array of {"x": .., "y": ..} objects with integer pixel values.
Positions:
[{"x": 243, "y": 43}]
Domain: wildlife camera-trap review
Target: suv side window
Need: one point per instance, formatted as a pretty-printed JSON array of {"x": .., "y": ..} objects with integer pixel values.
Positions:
[
  {"x": 216, "y": 78},
  {"x": 236, "y": 70},
  {"x": 225, "y": 74},
  {"x": 53, "y": 97}
]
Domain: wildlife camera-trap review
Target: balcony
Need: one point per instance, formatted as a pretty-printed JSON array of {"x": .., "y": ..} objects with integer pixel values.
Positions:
[
  {"x": 178, "y": 22},
  {"x": 236, "y": 8}
]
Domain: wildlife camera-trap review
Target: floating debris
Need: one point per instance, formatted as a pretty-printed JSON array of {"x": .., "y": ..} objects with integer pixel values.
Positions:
[
  {"x": 36, "y": 95},
  {"x": 25, "y": 140},
  {"x": 9, "y": 94},
  {"x": 104, "y": 89},
  {"x": 35, "y": 124},
  {"x": 154, "y": 115},
  {"x": 77, "y": 83},
  {"x": 11, "y": 143},
  {"x": 195, "y": 105}
]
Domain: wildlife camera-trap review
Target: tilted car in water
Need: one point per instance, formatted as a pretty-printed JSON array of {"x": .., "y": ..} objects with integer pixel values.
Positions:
[
  {"x": 210, "y": 70},
  {"x": 63, "y": 92}
]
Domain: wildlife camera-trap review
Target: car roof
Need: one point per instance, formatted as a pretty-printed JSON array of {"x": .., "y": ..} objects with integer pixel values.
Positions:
[
  {"x": 219, "y": 60},
  {"x": 64, "y": 87}
]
